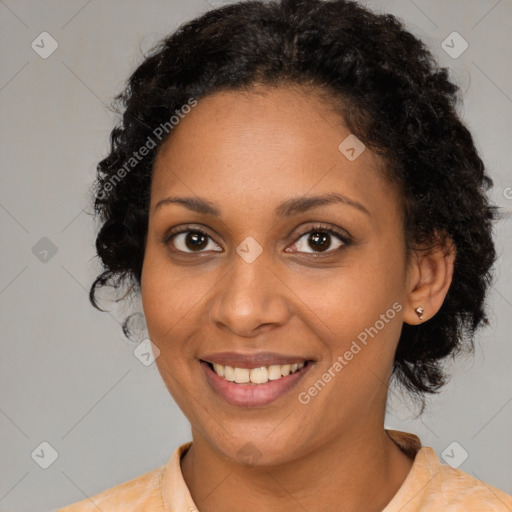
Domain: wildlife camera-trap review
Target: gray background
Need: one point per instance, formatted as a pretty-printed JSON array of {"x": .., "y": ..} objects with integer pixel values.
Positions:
[{"x": 68, "y": 375}]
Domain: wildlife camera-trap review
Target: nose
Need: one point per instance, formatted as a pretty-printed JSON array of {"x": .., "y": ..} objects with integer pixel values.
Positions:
[{"x": 251, "y": 298}]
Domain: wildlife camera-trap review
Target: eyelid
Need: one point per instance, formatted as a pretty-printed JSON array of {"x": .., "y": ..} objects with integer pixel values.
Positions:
[
  {"x": 169, "y": 234},
  {"x": 341, "y": 234}
]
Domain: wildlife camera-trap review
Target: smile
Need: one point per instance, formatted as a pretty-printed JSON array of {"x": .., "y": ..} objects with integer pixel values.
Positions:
[
  {"x": 253, "y": 387},
  {"x": 259, "y": 375}
]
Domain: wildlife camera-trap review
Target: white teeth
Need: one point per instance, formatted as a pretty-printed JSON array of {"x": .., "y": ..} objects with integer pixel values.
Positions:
[
  {"x": 274, "y": 372},
  {"x": 241, "y": 375},
  {"x": 219, "y": 369},
  {"x": 229, "y": 373},
  {"x": 259, "y": 375}
]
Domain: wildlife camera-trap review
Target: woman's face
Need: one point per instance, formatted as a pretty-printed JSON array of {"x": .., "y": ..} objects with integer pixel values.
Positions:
[{"x": 267, "y": 280}]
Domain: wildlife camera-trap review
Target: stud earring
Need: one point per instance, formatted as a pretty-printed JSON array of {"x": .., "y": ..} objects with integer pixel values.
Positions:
[{"x": 419, "y": 311}]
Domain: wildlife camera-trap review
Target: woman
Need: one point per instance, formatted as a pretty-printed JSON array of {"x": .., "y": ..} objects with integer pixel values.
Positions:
[{"x": 305, "y": 218}]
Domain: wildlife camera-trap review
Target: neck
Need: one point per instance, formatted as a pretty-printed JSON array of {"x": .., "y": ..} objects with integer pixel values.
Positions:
[{"x": 362, "y": 469}]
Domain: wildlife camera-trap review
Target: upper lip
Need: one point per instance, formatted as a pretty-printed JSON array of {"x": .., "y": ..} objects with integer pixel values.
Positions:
[{"x": 240, "y": 360}]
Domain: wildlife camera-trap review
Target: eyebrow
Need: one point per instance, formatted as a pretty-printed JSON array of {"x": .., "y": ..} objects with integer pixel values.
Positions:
[{"x": 288, "y": 208}]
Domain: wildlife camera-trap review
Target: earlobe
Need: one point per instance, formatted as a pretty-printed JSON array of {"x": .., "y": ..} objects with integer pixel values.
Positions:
[{"x": 430, "y": 279}]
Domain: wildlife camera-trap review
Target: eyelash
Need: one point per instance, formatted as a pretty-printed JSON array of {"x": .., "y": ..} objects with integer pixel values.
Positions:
[{"x": 318, "y": 228}]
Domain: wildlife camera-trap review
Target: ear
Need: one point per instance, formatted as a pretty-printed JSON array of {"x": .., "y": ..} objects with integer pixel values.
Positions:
[{"x": 429, "y": 277}]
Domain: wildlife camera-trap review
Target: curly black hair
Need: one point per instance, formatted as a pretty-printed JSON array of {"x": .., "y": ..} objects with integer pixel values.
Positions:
[{"x": 392, "y": 95}]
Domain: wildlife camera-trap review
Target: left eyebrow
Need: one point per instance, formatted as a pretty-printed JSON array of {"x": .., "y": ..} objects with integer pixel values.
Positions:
[
  {"x": 302, "y": 204},
  {"x": 289, "y": 207}
]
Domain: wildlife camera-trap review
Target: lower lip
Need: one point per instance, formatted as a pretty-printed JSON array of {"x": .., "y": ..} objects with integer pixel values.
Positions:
[{"x": 253, "y": 395}]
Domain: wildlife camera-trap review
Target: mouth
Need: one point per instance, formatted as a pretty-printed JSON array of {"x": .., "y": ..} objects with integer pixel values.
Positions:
[
  {"x": 255, "y": 386},
  {"x": 258, "y": 375}
]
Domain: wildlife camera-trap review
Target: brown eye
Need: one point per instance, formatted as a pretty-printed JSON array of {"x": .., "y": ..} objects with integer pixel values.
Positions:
[
  {"x": 190, "y": 241},
  {"x": 320, "y": 239}
]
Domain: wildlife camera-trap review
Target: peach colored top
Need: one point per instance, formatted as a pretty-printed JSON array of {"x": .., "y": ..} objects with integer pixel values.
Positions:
[{"x": 429, "y": 486}]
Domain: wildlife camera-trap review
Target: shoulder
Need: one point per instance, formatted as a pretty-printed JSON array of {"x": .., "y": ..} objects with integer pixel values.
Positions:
[
  {"x": 459, "y": 489},
  {"x": 141, "y": 494},
  {"x": 434, "y": 486},
  {"x": 438, "y": 486}
]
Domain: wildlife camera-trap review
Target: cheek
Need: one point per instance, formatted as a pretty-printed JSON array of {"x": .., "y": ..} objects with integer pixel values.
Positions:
[
  {"x": 172, "y": 299},
  {"x": 166, "y": 300},
  {"x": 353, "y": 297},
  {"x": 160, "y": 300},
  {"x": 360, "y": 306},
  {"x": 164, "y": 296}
]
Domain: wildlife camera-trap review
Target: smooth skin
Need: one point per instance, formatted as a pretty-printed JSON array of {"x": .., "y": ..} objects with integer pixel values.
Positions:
[{"x": 246, "y": 153}]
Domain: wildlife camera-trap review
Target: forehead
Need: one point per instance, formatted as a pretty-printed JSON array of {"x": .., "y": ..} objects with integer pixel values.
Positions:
[{"x": 273, "y": 144}]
